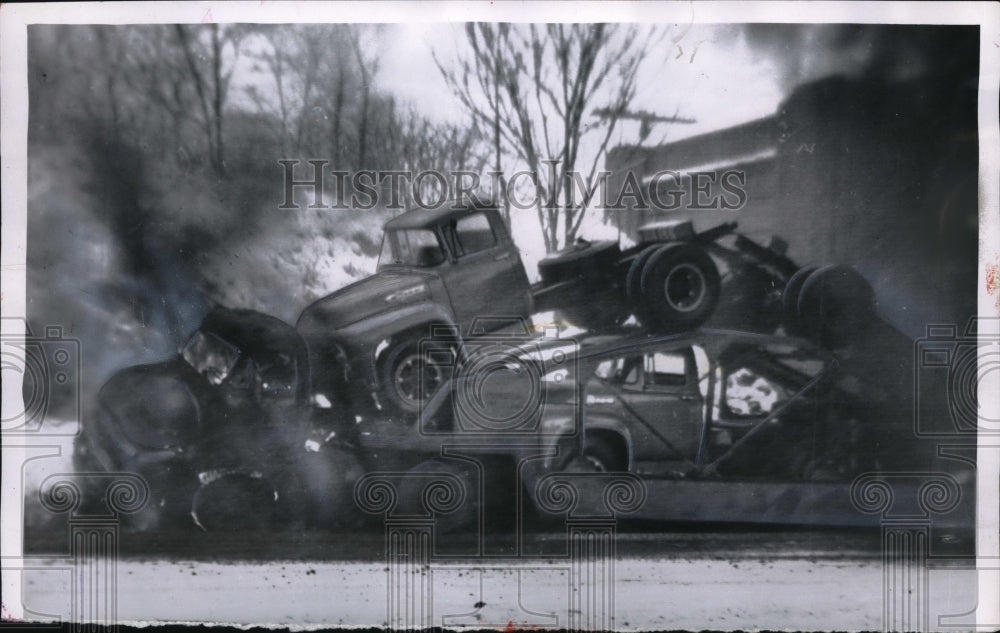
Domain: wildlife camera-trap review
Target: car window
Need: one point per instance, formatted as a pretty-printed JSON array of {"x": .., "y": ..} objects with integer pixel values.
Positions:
[
  {"x": 473, "y": 233},
  {"x": 749, "y": 394},
  {"x": 210, "y": 355},
  {"x": 240, "y": 380},
  {"x": 666, "y": 369},
  {"x": 276, "y": 373},
  {"x": 621, "y": 370}
]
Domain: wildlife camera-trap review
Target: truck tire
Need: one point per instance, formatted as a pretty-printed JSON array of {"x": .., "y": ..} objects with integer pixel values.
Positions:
[
  {"x": 589, "y": 260},
  {"x": 409, "y": 376},
  {"x": 633, "y": 279},
  {"x": 680, "y": 287},
  {"x": 836, "y": 305},
  {"x": 602, "y": 457},
  {"x": 420, "y": 481},
  {"x": 790, "y": 299}
]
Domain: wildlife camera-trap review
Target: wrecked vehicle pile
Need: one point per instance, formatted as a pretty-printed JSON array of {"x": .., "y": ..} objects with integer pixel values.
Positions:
[
  {"x": 219, "y": 431},
  {"x": 738, "y": 396}
]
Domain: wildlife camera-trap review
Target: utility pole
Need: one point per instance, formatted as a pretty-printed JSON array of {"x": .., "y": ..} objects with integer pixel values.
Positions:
[{"x": 646, "y": 119}]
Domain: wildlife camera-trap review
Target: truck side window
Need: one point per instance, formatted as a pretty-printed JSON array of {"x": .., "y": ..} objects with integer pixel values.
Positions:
[
  {"x": 474, "y": 234},
  {"x": 628, "y": 372},
  {"x": 410, "y": 247},
  {"x": 666, "y": 370},
  {"x": 606, "y": 369}
]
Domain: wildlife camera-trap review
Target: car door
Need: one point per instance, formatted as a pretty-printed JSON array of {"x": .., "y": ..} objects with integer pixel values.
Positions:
[
  {"x": 665, "y": 405},
  {"x": 483, "y": 275}
]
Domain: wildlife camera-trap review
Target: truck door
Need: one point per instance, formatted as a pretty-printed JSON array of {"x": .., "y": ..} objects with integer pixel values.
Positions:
[
  {"x": 667, "y": 406},
  {"x": 485, "y": 276}
]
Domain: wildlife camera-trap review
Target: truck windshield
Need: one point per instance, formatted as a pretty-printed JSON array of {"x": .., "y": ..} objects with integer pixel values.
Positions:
[
  {"x": 210, "y": 356},
  {"x": 410, "y": 247}
]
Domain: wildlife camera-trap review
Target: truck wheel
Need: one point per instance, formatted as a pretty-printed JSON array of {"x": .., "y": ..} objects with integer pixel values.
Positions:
[
  {"x": 680, "y": 287},
  {"x": 409, "y": 376},
  {"x": 589, "y": 260},
  {"x": 835, "y": 304},
  {"x": 602, "y": 456},
  {"x": 633, "y": 279},
  {"x": 790, "y": 299},
  {"x": 435, "y": 481},
  {"x": 597, "y": 456}
]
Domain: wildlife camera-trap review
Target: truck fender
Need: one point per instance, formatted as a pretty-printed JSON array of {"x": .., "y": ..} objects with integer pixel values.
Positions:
[
  {"x": 385, "y": 326},
  {"x": 604, "y": 424}
]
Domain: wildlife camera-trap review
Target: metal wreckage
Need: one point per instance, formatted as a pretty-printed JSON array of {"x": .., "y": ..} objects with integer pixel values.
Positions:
[{"x": 731, "y": 383}]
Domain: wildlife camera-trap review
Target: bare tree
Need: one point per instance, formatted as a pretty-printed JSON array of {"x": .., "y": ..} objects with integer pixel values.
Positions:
[
  {"x": 368, "y": 64},
  {"x": 304, "y": 67},
  {"x": 211, "y": 84},
  {"x": 532, "y": 84},
  {"x": 340, "y": 75}
]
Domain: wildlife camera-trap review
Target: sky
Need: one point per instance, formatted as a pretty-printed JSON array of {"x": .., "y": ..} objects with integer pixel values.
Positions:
[
  {"x": 706, "y": 72},
  {"x": 710, "y": 73}
]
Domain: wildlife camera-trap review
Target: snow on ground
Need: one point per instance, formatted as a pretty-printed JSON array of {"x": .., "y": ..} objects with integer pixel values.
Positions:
[{"x": 649, "y": 594}]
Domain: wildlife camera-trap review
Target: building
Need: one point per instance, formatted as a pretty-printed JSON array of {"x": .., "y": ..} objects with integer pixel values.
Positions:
[{"x": 881, "y": 176}]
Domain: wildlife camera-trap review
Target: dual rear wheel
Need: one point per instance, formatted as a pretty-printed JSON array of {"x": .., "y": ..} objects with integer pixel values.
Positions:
[
  {"x": 668, "y": 287},
  {"x": 673, "y": 286},
  {"x": 832, "y": 305}
]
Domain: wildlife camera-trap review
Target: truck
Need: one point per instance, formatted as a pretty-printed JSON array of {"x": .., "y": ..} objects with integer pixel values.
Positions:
[{"x": 447, "y": 267}]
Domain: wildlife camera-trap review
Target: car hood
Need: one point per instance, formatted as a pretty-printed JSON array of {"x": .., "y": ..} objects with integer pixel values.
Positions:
[
  {"x": 381, "y": 292},
  {"x": 155, "y": 406}
]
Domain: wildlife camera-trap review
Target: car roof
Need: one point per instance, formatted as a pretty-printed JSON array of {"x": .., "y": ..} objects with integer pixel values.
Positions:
[
  {"x": 421, "y": 218},
  {"x": 253, "y": 331}
]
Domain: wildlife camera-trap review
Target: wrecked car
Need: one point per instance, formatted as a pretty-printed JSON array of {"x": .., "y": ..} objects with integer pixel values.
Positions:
[
  {"x": 741, "y": 427},
  {"x": 220, "y": 431}
]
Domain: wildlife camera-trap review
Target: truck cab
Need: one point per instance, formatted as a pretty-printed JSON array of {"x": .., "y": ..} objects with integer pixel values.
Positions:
[
  {"x": 438, "y": 270},
  {"x": 469, "y": 250}
]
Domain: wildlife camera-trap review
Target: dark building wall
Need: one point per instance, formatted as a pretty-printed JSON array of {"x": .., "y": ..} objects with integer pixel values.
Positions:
[{"x": 879, "y": 176}]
